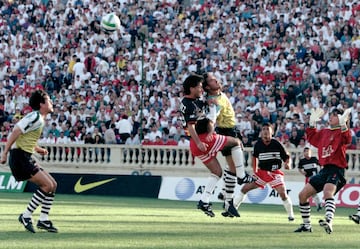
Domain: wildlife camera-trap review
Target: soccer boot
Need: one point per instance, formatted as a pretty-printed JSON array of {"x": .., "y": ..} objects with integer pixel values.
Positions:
[
  {"x": 304, "y": 228},
  {"x": 246, "y": 179},
  {"x": 206, "y": 208},
  {"x": 27, "y": 223},
  {"x": 290, "y": 218},
  {"x": 355, "y": 218},
  {"x": 227, "y": 214},
  {"x": 46, "y": 225},
  {"x": 326, "y": 225},
  {"x": 231, "y": 209}
]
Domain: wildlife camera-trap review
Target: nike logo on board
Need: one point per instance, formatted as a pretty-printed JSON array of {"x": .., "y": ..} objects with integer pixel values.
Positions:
[{"x": 78, "y": 188}]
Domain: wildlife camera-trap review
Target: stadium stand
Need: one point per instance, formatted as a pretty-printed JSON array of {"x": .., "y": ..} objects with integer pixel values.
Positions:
[{"x": 279, "y": 57}]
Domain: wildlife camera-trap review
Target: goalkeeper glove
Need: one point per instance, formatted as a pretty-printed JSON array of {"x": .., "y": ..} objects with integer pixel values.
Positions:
[
  {"x": 315, "y": 116},
  {"x": 344, "y": 117}
]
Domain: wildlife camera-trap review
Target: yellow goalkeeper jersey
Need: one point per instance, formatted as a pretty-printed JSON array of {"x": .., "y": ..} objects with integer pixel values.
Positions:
[{"x": 226, "y": 113}]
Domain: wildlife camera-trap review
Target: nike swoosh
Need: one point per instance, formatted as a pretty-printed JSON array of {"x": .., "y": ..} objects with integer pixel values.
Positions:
[{"x": 78, "y": 188}]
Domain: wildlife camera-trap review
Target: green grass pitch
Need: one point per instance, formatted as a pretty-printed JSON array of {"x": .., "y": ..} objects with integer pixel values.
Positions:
[{"x": 87, "y": 222}]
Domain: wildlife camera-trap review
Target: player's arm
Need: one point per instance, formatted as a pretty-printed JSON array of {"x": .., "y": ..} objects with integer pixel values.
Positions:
[
  {"x": 195, "y": 137},
  {"x": 41, "y": 151},
  {"x": 11, "y": 140},
  {"x": 302, "y": 171},
  {"x": 285, "y": 156},
  {"x": 255, "y": 164},
  {"x": 287, "y": 162}
]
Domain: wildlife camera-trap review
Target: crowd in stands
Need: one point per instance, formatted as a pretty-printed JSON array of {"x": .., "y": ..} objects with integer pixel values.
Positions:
[{"x": 276, "y": 60}]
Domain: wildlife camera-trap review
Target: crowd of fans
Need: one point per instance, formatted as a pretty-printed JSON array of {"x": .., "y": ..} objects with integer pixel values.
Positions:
[{"x": 276, "y": 60}]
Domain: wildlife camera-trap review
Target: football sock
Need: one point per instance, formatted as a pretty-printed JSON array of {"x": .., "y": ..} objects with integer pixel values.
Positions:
[
  {"x": 239, "y": 199},
  {"x": 288, "y": 207},
  {"x": 46, "y": 206},
  {"x": 305, "y": 212},
  {"x": 330, "y": 208},
  {"x": 36, "y": 200},
  {"x": 317, "y": 200},
  {"x": 237, "y": 155},
  {"x": 223, "y": 190},
  {"x": 230, "y": 183},
  {"x": 209, "y": 188}
]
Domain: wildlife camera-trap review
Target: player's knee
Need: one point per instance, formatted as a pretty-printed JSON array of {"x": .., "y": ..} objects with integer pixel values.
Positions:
[{"x": 54, "y": 186}]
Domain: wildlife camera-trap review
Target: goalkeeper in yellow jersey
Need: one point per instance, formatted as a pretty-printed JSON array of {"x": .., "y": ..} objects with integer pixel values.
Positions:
[{"x": 225, "y": 125}]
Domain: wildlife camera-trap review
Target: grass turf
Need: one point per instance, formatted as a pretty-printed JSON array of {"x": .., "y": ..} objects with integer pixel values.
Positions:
[{"x": 117, "y": 222}]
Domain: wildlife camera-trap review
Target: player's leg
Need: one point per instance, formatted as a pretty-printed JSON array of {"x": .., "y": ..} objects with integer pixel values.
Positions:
[
  {"x": 287, "y": 203},
  {"x": 235, "y": 159},
  {"x": 215, "y": 169},
  {"x": 330, "y": 207},
  {"x": 304, "y": 207},
  {"x": 317, "y": 201},
  {"x": 229, "y": 179},
  {"x": 47, "y": 187},
  {"x": 241, "y": 196},
  {"x": 356, "y": 217}
]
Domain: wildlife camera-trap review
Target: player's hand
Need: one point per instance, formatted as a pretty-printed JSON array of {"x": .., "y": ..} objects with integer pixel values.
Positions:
[
  {"x": 3, "y": 158},
  {"x": 315, "y": 116},
  {"x": 43, "y": 152},
  {"x": 344, "y": 117},
  {"x": 202, "y": 146}
]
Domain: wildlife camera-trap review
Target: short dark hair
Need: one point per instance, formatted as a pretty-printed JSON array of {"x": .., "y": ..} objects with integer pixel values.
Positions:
[
  {"x": 36, "y": 98},
  {"x": 202, "y": 125},
  {"x": 192, "y": 81},
  {"x": 205, "y": 75}
]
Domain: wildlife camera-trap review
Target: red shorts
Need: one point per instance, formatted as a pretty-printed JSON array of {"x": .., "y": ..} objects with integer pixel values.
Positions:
[
  {"x": 215, "y": 143},
  {"x": 273, "y": 178}
]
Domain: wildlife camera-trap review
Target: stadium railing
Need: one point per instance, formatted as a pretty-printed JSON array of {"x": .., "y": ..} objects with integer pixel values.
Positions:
[{"x": 152, "y": 160}]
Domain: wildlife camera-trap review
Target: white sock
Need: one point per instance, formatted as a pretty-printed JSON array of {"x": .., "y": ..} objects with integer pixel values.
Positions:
[
  {"x": 209, "y": 188},
  {"x": 288, "y": 207},
  {"x": 27, "y": 214},
  {"x": 43, "y": 217},
  {"x": 238, "y": 157},
  {"x": 238, "y": 199},
  {"x": 317, "y": 200}
]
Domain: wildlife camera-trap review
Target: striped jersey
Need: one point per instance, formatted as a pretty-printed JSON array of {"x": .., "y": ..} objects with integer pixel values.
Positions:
[
  {"x": 310, "y": 165},
  {"x": 270, "y": 157},
  {"x": 31, "y": 127}
]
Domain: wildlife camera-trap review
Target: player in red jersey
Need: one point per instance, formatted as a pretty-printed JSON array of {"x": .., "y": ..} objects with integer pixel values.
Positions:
[{"x": 331, "y": 144}]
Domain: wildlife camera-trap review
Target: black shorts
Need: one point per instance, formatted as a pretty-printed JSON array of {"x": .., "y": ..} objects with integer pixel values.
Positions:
[
  {"x": 22, "y": 166},
  {"x": 231, "y": 132},
  {"x": 329, "y": 174}
]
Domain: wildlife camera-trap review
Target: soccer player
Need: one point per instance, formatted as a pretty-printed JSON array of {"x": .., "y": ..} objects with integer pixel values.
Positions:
[
  {"x": 198, "y": 121},
  {"x": 225, "y": 125},
  {"x": 309, "y": 166},
  {"x": 331, "y": 144},
  {"x": 21, "y": 144},
  {"x": 268, "y": 156}
]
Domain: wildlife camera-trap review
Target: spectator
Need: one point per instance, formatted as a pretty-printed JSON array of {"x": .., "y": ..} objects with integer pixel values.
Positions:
[{"x": 110, "y": 138}]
